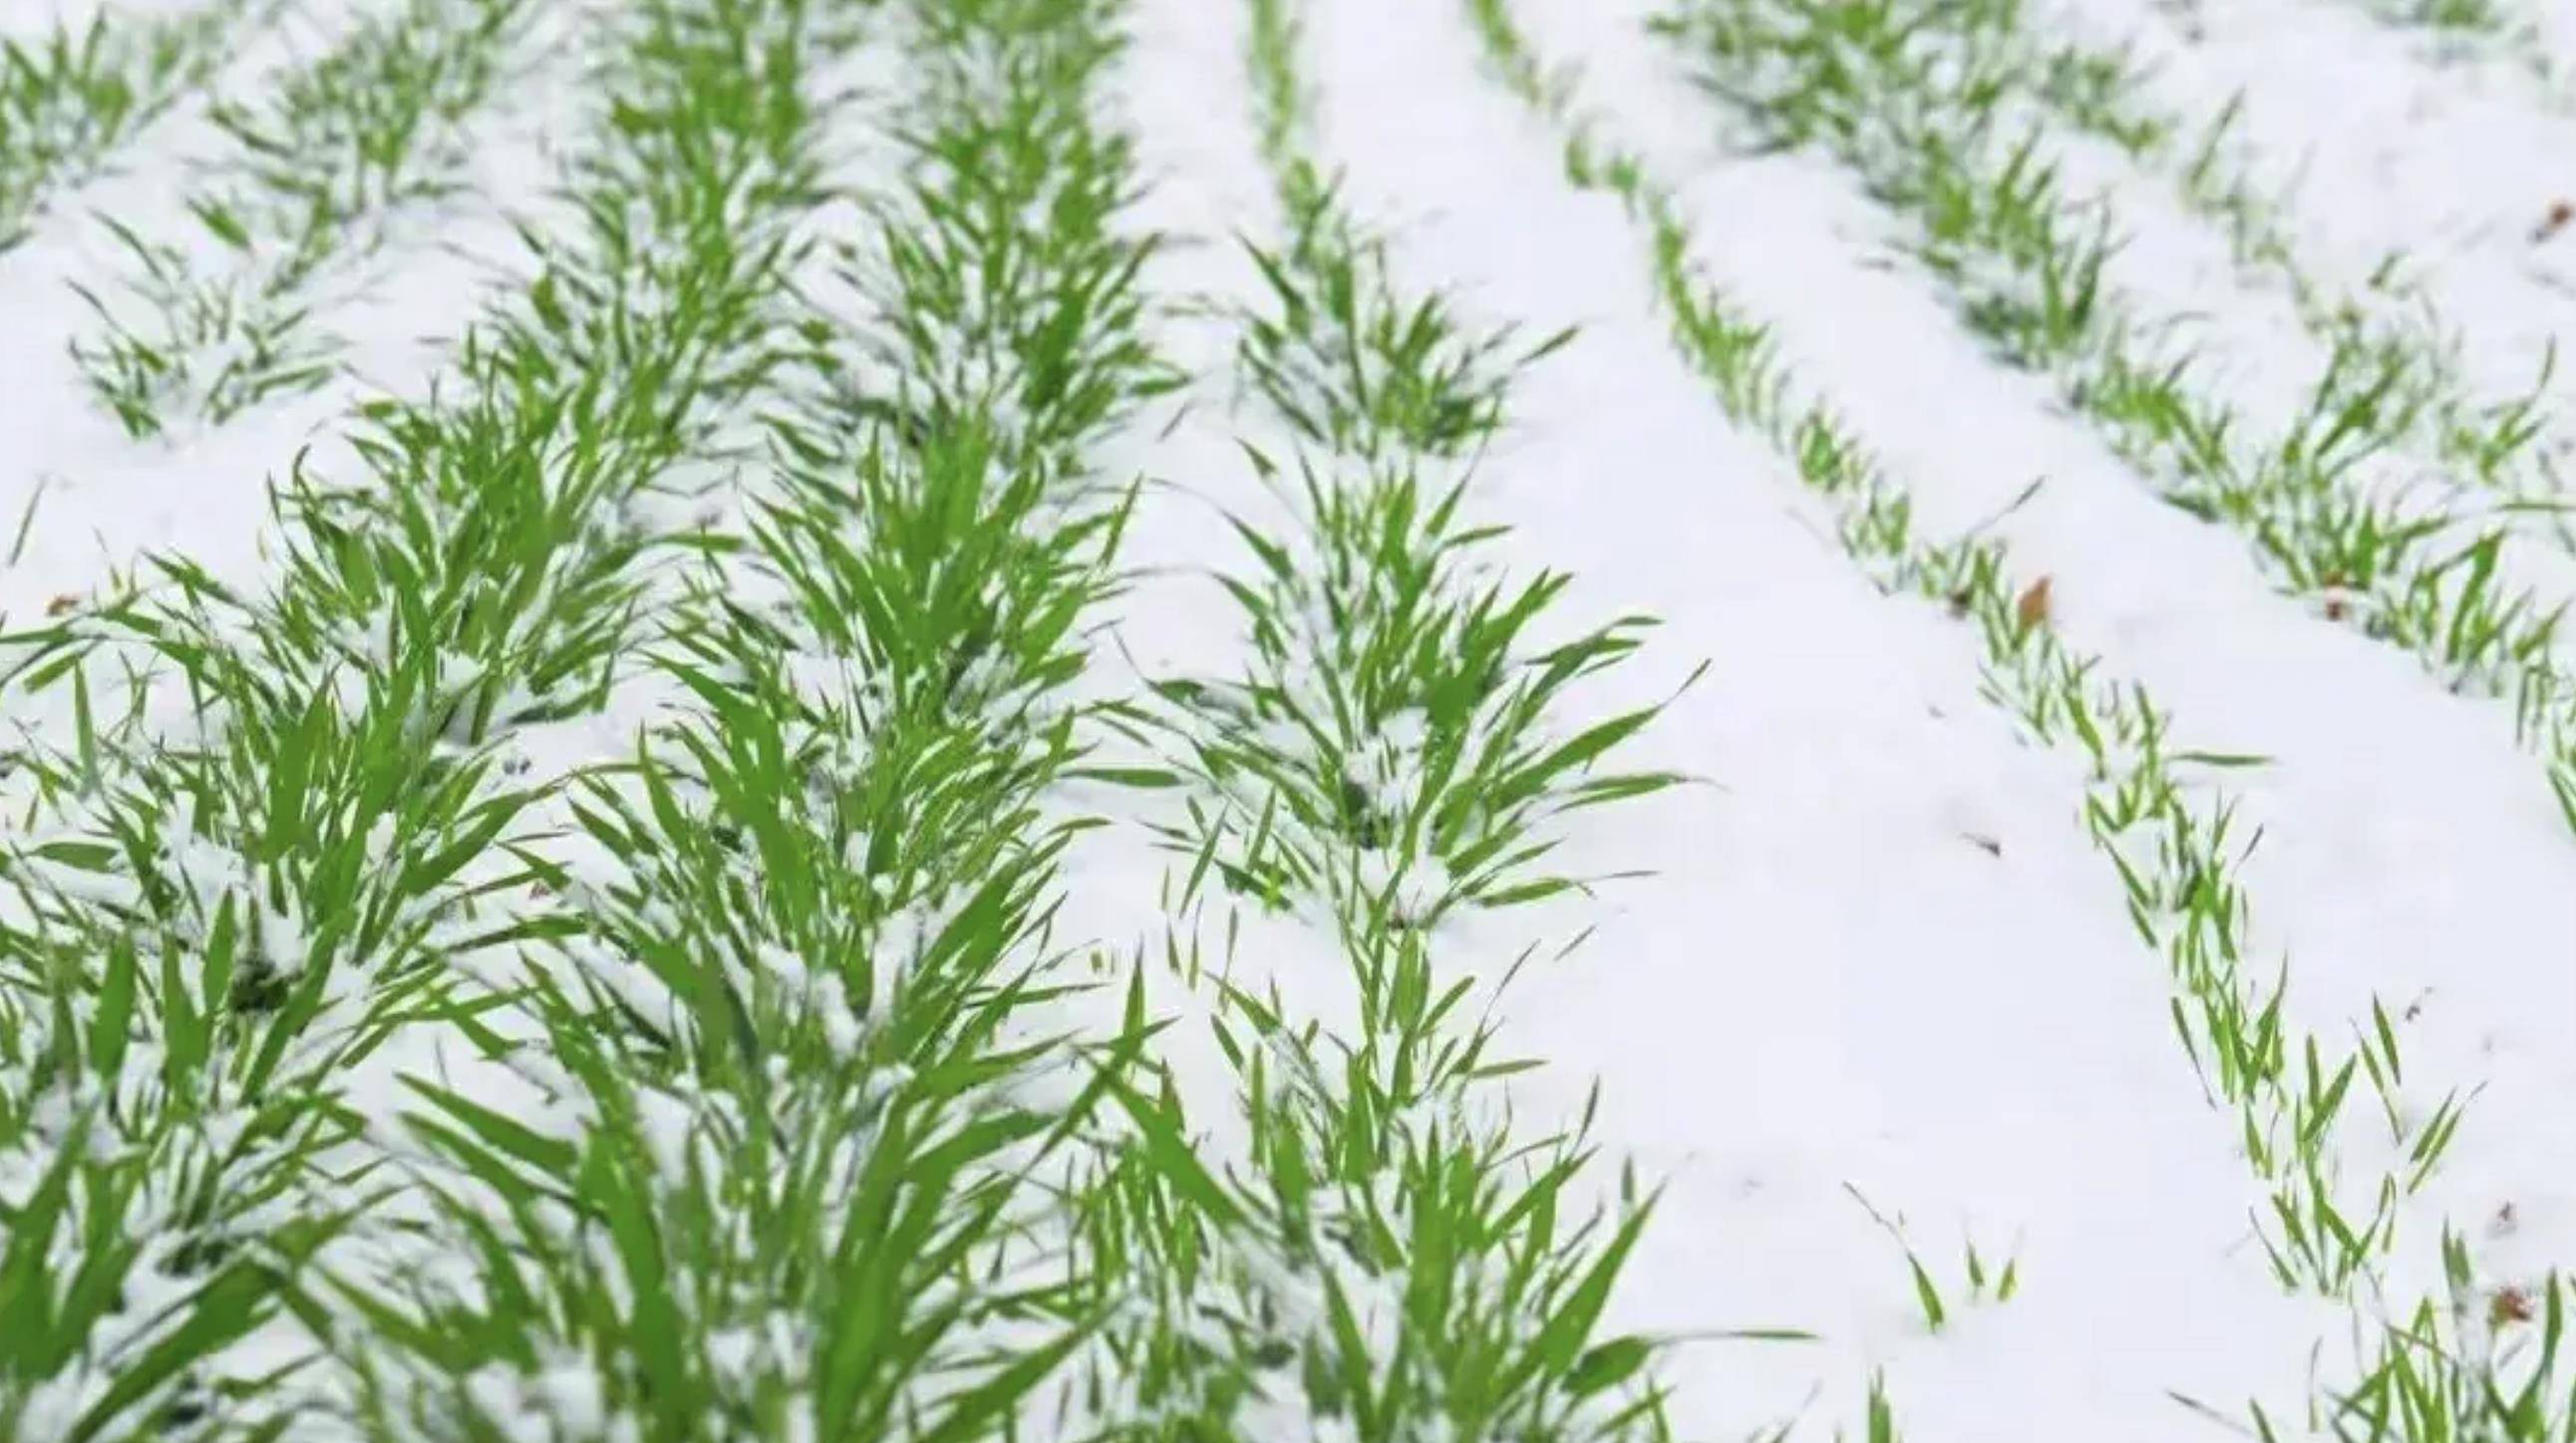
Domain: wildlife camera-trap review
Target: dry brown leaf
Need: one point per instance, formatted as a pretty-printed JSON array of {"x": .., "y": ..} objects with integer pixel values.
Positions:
[
  {"x": 2560, "y": 213},
  {"x": 2032, "y": 609},
  {"x": 61, "y": 605},
  {"x": 2509, "y": 1305}
]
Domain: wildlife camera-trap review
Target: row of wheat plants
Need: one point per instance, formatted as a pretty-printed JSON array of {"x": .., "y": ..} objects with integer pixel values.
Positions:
[
  {"x": 383, "y": 1060},
  {"x": 73, "y": 94},
  {"x": 1956, "y": 120},
  {"x": 2335, "y": 1134},
  {"x": 1363, "y": 1241},
  {"x": 320, "y": 162}
]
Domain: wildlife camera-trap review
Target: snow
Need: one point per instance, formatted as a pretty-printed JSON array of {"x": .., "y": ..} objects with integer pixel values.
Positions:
[
  {"x": 100, "y": 503},
  {"x": 1828, "y": 982},
  {"x": 1833, "y": 982},
  {"x": 1872, "y": 961}
]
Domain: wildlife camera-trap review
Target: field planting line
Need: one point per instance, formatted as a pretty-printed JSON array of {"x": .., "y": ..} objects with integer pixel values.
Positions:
[
  {"x": 230, "y": 900},
  {"x": 2252, "y": 707},
  {"x": 76, "y": 91},
  {"x": 1753, "y": 1092},
  {"x": 2431, "y": 887},
  {"x": 96, "y": 502},
  {"x": 2478, "y": 434},
  {"x": 2525, "y": 44},
  {"x": 2469, "y": 444},
  {"x": 317, "y": 165},
  {"x": 2462, "y": 863},
  {"x": 2027, "y": 664},
  {"x": 1209, "y": 721},
  {"x": 133, "y": 167},
  {"x": 2363, "y": 152},
  {"x": 837, "y": 876},
  {"x": 2034, "y": 270},
  {"x": 1388, "y": 1255}
]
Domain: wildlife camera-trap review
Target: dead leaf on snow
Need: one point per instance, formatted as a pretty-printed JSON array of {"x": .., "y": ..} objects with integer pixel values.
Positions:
[
  {"x": 2032, "y": 609},
  {"x": 2509, "y": 1305}
]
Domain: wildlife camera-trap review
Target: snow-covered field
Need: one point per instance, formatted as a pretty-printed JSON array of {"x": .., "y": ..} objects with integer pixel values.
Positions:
[{"x": 1286, "y": 719}]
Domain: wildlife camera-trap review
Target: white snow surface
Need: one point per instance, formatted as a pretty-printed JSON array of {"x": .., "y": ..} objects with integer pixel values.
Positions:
[
  {"x": 1874, "y": 955},
  {"x": 1829, "y": 985}
]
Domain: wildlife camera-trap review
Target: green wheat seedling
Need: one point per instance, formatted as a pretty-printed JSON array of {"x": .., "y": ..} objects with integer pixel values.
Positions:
[
  {"x": 1354, "y": 373},
  {"x": 296, "y": 810},
  {"x": 1032, "y": 329},
  {"x": 1392, "y": 741},
  {"x": 2484, "y": 1366},
  {"x": 954, "y": 581},
  {"x": 817, "y": 905},
  {"x": 1878, "y": 1419},
  {"x": 2150, "y": 806},
  {"x": 371, "y": 125},
  {"x": 2455, "y": 14},
  {"x": 2480, "y": 1363},
  {"x": 216, "y": 936},
  {"x": 2102, "y": 92},
  {"x": 1390, "y": 749},
  {"x": 220, "y": 344},
  {"x": 1978, "y": 1282},
  {"x": 2489, "y": 29},
  {"x": 1351, "y": 368},
  {"x": 126, "y": 1189},
  {"x": 789, "y": 1038},
  {"x": 1923, "y": 115},
  {"x": 882, "y": 828},
  {"x": 320, "y": 163},
  {"x": 1392, "y": 1253},
  {"x": 71, "y": 97},
  {"x": 1501, "y": 1314},
  {"x": 1881, "y": 1425},
  {"x": 1347, "y": 366}
]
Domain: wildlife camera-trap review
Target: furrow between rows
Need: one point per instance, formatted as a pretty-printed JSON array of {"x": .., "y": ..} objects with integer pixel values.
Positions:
[
  {"x": 1929, "y": 106},
  {"x": 1344, "y": 1229},
  {"x": 2334, "y": 1180}
]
